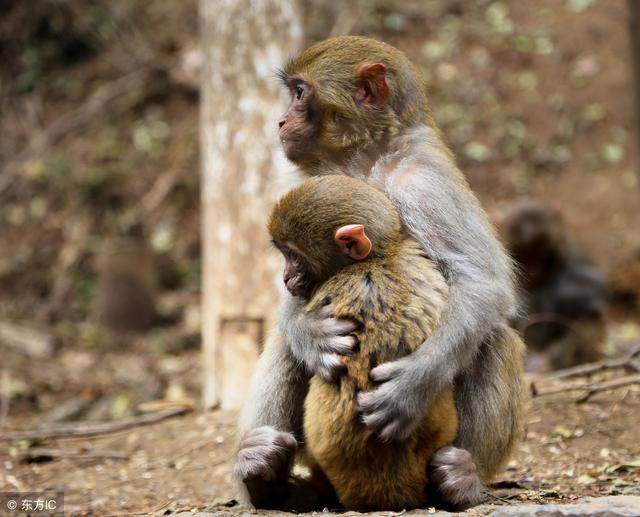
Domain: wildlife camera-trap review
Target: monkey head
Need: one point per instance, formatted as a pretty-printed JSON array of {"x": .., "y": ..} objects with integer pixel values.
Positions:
[
  {"x": 532, "y": 225},
  {"x": 347, "y": 93},
  {"x": 328, "y": 222},
  {"x": 535, "y": 235}
]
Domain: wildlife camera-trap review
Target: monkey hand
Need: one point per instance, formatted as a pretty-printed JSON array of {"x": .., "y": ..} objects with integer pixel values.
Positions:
[
  {"x": 398, "y": 405},
  {"x": 266, "y": 454},
  {"x": 318, "y": 340}
]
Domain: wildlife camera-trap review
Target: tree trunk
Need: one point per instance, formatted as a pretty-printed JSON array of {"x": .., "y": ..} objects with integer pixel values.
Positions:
[
  {"x": 634, "y": 33},
  {"x": 243, "y": 172}
]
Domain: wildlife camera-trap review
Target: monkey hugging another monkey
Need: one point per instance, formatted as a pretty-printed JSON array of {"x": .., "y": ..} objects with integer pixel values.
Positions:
[
  {"x": 345, "y": 248},
  {"x": 359, "y": 108}
]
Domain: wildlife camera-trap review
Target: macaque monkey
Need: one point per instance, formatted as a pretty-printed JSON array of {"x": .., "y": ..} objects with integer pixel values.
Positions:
[
  {"x": 359, "y": 108},
  {"x": 564, "y": 294},
  {"x": 344, "y": 245},
  {"x": 124, "y": 300}
]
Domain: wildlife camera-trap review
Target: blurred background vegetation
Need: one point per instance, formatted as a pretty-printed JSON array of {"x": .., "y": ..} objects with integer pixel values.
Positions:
[{"x": 100, "y": 169}]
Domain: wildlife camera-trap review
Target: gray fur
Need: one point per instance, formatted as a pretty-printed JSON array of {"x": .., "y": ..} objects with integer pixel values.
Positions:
[
  {"x": 456, "y": 476},
  {"x": 418, "y": 174},
  {"x": 454, "y": 230},
  {"x": 329, "y": 338},
  {"x": 266, "y": 453},
  {"x": 275, "y": 404}
]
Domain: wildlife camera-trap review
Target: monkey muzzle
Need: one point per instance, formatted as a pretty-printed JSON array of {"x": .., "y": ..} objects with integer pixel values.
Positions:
[{"x": 293, "y": 281}]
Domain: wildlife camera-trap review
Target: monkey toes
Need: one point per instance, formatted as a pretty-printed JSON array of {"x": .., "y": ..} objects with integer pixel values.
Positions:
[
  {"x": 455, "y": 475},
  {"x": 265, "y": 453}
]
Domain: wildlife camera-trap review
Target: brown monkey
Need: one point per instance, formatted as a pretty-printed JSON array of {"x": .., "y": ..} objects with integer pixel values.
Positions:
[
  {"x": 344, "y": 245},
  {"x": 125, "y": 296},
  {"x": 564, "y": 294},
  {"x": 359, "y": 108}
]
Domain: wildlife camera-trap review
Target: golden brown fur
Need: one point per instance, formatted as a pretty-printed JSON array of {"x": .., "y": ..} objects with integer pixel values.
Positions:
[
  {"x": 376, "y": 126},
  {"x": 396, "y": 295},
  {"x": 398, "y": 300}
]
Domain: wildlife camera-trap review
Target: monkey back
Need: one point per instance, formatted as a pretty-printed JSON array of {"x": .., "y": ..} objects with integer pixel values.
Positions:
[{"x": 398, "y": 301}]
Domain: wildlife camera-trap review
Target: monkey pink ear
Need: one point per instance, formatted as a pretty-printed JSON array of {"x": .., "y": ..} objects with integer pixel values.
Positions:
[
  {"x": 353, "y": 242},
  {"x": 371, "y": 85}
]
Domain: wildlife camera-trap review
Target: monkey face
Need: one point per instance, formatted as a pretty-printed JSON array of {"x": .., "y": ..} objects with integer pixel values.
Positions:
[
  {"x": 341, "y": 101},
  {"x": 299, "y": 126},
  {"x": 298, "y": 274},
  {"x": 327, "y": 223}
]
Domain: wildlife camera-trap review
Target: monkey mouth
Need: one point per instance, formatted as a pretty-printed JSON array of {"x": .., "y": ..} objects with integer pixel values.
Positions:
[
  {"x": 292, "y": 283},
  {"x": 295, "y": 285}
]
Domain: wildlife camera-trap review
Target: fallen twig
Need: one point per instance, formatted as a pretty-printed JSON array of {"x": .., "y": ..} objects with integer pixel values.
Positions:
[
  {"x": 28, "y": 340},
  {"x": 92, "y": 429},
  {"x": 608, "y": 385},
  {"x": 629, "y": 362},
  {"x": 184, "y": 452},
  {"x": 97, "y": 103},
  {"x": 69, "y": 409},
  {"x": 590, "y": 388},
  {"x": 159, "y": 191},
  {"x": 148, "y": 511},
  {"x": 69, "y": 258},
  {"x": 499, "y": 498},
  {"x": 44, "y": 454}
]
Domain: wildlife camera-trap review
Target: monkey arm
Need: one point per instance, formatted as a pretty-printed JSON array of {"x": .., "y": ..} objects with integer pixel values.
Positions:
[
  {"x": 278, "y": 388},
  {"x": 269, "y": 426},
  {"x": 316, "y": 340},
  {"x": 439, "y": 210}
]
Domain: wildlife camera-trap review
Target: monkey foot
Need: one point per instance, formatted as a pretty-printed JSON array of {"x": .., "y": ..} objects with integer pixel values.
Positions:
[{"x": 456, "y": 478}]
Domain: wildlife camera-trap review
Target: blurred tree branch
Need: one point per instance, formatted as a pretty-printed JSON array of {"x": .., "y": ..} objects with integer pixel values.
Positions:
[
  {"x": 77, "y": 119},
  {"x": 85, "y": 430},
  {"x": 117, "y": 96}
]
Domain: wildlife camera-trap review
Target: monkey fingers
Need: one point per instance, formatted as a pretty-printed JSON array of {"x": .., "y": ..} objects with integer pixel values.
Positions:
[
  {"x": 390, "y": 410},
  {"x": 456, "y": 477},
  {"x": 379, "y": 414},
  {"x": 386, "y": 371},
  {"x": 340, "y": 345},
  {"x": 388, "y": 425},
  {"x": 332, "y": 326},
  {"x": 326, "y": 311},
  {"x": 334, "y": 340},
  {"x": 330, "y": 367},
  {"x": 265, "y": 453}
]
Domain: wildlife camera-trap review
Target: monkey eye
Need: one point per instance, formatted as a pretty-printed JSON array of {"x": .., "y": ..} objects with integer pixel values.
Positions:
[{"x": 299, "y": 92}]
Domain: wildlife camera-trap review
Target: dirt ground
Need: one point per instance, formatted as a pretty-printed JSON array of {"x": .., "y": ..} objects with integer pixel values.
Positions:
[
  {"x": 570, "y": 450},
  {"x": 535, "y": 100}
]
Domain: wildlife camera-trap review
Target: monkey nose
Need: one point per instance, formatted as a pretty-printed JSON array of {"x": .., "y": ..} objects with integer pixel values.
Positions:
[{"x": 281, "y": 122}]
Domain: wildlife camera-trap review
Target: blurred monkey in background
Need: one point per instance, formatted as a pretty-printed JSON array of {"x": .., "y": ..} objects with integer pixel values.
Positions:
[{"x": 564, "y": 294}]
